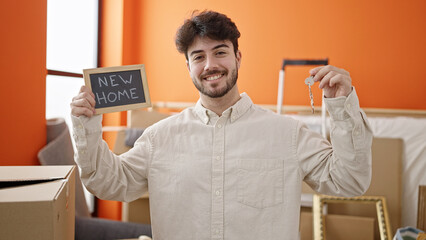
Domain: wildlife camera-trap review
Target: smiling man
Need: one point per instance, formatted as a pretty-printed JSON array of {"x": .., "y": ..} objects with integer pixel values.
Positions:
[{"x": 226, "y": 168}]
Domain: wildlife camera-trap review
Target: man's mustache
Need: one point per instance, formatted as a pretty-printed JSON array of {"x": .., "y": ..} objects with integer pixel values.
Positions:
[{"x": 212, "y": 72}]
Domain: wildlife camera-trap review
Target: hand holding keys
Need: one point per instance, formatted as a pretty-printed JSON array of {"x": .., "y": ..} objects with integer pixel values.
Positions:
[{"x": 310, "y": 81}]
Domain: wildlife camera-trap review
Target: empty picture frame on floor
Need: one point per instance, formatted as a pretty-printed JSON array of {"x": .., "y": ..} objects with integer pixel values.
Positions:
[
  {"x": 320, "y": 201},
  {"x": 421, "y": 208}
]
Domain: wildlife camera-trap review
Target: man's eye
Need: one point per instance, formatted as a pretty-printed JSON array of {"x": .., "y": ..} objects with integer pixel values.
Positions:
[
  {"x": 221, "y": 53},
  {"x": 196, "y": 58}
]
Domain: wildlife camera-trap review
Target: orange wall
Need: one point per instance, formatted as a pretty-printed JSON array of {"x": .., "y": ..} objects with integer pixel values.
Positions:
[
  {"x": 382, "y": 44},
  {"x": 23, "y": 81}
]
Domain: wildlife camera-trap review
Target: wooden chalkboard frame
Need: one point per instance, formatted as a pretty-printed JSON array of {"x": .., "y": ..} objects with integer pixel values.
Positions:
[{"x": 140, "y": 68}]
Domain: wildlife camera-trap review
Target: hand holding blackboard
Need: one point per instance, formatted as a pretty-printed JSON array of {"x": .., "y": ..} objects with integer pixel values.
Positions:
[
  {"x": 118, "y": 88},
  {"x": 83, "y": 103}
]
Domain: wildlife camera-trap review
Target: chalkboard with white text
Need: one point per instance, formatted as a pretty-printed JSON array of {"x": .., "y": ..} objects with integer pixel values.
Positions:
[{"x": 118, "y": 88}]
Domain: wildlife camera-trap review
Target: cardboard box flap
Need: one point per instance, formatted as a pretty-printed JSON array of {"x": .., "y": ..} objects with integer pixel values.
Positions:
[
  {"x": 19, "y": 183},
  {"x": 47, "y": 191},
  {"x": 44, "y": 182},
  {"x": 26, "y": 173}
]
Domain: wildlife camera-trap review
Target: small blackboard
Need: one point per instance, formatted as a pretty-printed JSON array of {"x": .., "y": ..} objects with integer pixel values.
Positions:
[{"x": 118, "y": 88}]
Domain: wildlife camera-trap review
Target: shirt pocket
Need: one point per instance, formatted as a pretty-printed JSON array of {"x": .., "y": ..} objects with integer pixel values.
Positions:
[{"x": 260, "y": 182}]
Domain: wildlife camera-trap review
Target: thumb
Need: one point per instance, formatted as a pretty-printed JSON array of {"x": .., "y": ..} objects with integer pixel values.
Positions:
[{"x": 314, "y": 71}]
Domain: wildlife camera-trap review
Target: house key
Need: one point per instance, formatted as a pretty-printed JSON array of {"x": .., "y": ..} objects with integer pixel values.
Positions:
[{"x": 310, "y": 81}]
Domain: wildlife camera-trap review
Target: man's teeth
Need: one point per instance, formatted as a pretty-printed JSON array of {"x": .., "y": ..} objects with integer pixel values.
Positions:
[{"x": 213, "y": 77}]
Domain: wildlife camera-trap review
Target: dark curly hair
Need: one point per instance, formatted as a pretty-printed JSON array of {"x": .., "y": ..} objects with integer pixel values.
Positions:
[{"x": 213, "y": 25}]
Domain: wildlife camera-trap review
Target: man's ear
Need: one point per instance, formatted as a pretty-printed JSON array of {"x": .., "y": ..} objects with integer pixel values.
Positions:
[
  {"x": 187, "y": 65},
  {"x": 238, "y": 57}
]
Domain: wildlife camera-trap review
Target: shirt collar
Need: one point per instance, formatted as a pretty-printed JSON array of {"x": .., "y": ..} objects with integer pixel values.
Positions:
[{"x": 234, "y": 112}]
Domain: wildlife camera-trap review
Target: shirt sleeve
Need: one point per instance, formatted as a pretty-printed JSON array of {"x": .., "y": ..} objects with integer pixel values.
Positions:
[
  {"x": 342, "y": 167},
  {"x": 105, "y": 174}
]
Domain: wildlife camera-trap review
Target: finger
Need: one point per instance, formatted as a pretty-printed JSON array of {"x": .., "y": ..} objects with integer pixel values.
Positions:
[
  {"x": 82, "y": 106},
  {"x": 336, "y": 80},
  {"x": 325, "y": 81},
  {"x": 82, "y": 102},
  {"x": 80, "y": 111},
  {"x": 84, "y": 88},
  {"x": 343, "y": 71},
  {"x": 90, "y": 98},
  {"x": 87, "y": 90},
  {"x": 87, "y": 96},
  {"x": 322, "y": 72},
  {"x": 342, "y": 82},
  {"x": 314, "y": 71}
]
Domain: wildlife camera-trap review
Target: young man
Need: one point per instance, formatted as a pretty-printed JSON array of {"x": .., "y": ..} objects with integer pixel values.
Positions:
[{"x": 226, "y": 168}]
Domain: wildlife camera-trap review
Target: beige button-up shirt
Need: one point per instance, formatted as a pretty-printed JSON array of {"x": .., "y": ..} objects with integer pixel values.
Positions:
[{"x": 237, "y": 176}]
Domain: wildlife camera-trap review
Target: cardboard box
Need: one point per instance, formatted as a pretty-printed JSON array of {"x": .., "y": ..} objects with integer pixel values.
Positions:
[
  {"x": 339, "y": 227},
  {"x": 37, "y": 202},
  {"x": 137, "y": 211}
]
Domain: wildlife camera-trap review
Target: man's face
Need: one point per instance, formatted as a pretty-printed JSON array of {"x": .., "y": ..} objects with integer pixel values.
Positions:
[{"x": 213, "y": 66}]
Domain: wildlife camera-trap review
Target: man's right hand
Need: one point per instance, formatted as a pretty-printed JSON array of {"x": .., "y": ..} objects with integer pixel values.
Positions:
[{"x": 83, "y": 103}]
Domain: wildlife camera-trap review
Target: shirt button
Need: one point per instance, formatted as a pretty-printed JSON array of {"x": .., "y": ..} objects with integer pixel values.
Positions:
[
  {"x": 348, "y": 106},
  {"x": 80, "y": 126},
  {"x": 217, "y": 192},
  {"x": 218, "y": 157},
  {"x": 219, "y": 125}
]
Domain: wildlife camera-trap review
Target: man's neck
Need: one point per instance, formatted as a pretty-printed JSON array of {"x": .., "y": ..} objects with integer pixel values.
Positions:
[{"x": 219, "y": 105}]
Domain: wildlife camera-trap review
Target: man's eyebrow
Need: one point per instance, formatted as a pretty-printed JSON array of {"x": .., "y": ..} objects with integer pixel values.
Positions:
[
  {"x": 216, "y": 47},
  {"x": 220, "y": 46},
  {"x": 195, "y": 52}
]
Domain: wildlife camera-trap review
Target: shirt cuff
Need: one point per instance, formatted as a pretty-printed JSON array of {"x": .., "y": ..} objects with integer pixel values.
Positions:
[
  {"x": 83, "y": 125},
  {"x": 342, "y": 108},
  {"x": 83, "y": 129}
]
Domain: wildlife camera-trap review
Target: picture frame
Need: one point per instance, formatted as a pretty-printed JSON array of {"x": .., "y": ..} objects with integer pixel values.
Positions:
[
  {"x": 421, "y": 208},
  {"x": 320, "y": 201}
]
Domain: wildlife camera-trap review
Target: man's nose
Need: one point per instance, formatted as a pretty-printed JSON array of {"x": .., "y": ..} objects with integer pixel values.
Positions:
[{"x": 211, "y": 63}]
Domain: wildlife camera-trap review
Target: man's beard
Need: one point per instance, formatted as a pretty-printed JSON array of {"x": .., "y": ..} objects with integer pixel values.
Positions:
[{"x": 219, "y": 92}]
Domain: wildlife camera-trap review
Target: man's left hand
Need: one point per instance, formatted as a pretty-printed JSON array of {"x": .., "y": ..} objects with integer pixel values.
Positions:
[{"x": 334, "y": 81}]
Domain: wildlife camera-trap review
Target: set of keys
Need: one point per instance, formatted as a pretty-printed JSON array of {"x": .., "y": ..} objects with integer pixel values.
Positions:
[{"x": 310, "y": 81}]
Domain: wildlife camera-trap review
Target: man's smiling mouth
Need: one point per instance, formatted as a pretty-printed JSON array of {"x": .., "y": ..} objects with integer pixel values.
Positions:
[{"x": 214, "y": 77}]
